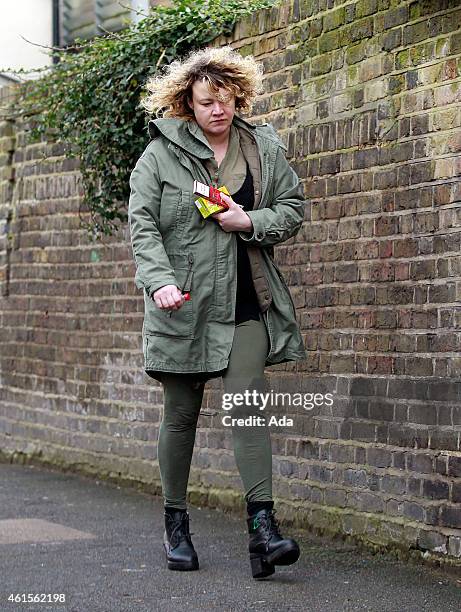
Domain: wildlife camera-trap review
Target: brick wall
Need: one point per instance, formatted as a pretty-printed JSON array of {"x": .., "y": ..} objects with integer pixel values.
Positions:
[{"x": 366, "y": 95}]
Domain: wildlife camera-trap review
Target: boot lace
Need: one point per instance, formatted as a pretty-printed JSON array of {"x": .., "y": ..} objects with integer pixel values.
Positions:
[
  {"x": 273, "y": 524},
  {"x": 179, "y": 529},
  {"x": 270, "y": 524}
]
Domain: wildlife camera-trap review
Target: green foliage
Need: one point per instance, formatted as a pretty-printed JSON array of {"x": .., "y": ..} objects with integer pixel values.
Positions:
[{"x": 90, "y": 98}]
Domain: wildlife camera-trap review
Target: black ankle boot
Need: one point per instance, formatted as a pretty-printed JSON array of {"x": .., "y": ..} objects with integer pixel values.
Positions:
[
  {"x": 180, "y": 552},
  {"x": 267, "y": 545}
]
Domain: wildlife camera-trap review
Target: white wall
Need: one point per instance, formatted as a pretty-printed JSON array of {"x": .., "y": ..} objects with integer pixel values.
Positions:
[{"x": 31, "y": 19}]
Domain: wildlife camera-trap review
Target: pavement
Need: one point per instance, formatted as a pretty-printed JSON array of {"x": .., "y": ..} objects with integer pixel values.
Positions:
[{"x": 99, "y": 546}]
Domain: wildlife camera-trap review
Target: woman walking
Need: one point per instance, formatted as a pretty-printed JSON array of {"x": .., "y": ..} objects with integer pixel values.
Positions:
[{"x": 215, "y": 303}]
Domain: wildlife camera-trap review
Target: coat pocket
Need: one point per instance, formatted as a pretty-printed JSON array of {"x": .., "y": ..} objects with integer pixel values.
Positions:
[{"x": 174, "y": 323}]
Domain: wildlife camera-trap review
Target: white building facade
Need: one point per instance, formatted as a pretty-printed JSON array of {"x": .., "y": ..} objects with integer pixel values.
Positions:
[
  {"x": 29, "y": 28},
  {"x": 19, "y": 20}
]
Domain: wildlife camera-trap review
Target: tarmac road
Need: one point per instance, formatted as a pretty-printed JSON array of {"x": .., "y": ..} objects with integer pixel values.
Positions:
[{"x": 99, "y": 545}]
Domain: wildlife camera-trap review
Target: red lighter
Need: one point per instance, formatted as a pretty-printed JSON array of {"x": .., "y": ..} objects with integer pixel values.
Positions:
[{"x": 186, "y": 297}]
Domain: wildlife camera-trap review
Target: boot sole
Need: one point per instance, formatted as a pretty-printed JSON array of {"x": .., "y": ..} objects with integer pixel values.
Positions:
[
  {"x": 263, "y": 565},
  {"x": 181, "y": 566}
]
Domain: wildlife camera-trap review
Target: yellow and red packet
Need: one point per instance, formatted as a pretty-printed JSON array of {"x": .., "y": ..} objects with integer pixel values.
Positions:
[{"x": 207, "y": 208}]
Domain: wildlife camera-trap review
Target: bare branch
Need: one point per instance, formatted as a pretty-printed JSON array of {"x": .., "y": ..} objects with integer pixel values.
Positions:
[
  {"x": 160, "y": 58},
  {"x": 133, "y": 10},
  {"x": 113, "y": 34},
  {"x": 52, "y": 48}
]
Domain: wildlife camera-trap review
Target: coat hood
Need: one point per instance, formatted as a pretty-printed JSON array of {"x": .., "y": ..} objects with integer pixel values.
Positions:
[{"x": 189, "y": 136}]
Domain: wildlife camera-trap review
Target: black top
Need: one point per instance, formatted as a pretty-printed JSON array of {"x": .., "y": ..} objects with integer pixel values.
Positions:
[{"x": 247, "y": 306}]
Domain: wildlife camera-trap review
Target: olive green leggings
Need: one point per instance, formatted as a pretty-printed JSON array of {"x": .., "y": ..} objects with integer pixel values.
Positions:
[{"x": 183, "y": 395}]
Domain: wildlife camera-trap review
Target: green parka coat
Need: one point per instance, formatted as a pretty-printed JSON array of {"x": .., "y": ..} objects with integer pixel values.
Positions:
[{"x": 173, "y": 244}]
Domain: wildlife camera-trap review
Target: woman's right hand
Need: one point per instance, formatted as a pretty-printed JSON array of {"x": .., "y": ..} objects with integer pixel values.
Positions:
[{"x": 168, "y": 297}]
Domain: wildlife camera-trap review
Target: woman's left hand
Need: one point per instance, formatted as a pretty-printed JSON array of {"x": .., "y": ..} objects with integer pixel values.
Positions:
[{"x": 234, "y": 219}]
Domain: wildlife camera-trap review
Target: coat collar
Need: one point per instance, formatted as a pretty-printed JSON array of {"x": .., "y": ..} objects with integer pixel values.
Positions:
[{"x": 187, "y": 134}]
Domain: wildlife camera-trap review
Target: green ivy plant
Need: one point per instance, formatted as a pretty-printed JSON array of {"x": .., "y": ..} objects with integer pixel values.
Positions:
[{"x": 89, "y": 100}]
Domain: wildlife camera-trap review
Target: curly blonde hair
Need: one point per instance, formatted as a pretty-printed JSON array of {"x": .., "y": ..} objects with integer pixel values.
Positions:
[{"x": 219, "y": 67}]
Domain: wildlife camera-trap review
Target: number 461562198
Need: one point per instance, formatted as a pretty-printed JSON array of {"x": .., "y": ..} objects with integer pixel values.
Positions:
[{"x": 37, "y": 597}]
